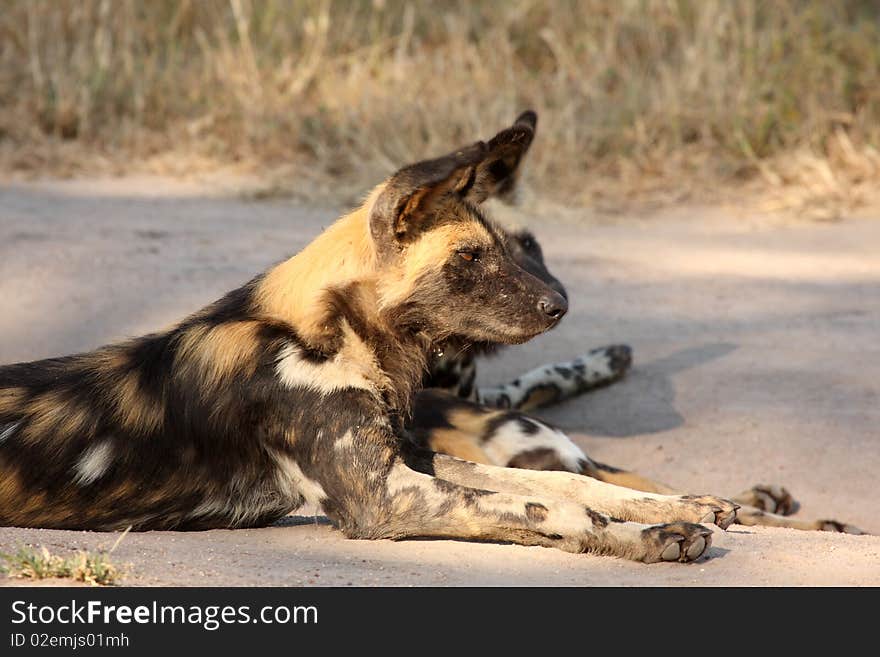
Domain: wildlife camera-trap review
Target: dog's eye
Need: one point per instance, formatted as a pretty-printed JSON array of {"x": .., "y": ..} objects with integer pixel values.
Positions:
[
  {"x": 469, "y": 256},
  {"x": 527, "y": 241}
]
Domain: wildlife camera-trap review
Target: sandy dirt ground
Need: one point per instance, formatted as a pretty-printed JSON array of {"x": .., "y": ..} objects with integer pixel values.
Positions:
[{"x": 757, "y": 360}]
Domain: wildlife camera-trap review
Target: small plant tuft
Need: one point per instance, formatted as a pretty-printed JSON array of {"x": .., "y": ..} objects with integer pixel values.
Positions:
[{"x": 93, "y": 568}]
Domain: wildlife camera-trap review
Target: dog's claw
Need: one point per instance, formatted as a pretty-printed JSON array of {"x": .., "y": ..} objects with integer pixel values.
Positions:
[{"x": 840, "y": 527}]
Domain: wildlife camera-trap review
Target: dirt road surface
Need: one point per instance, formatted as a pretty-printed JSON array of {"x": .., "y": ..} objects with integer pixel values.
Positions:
[{"x": 757, "y": 360}]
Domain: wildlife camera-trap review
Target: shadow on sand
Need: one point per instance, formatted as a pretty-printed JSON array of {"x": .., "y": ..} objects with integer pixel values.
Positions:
[{"x": 643, "y": 402}]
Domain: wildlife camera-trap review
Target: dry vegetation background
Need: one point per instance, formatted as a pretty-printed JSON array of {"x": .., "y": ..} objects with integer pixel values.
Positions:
[{"x": 648, "y": 99}]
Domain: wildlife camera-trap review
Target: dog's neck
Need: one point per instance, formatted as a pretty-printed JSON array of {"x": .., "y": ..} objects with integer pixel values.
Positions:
[
  {"x": 332, "y": 293},
  {"x": 395, "y": 340},
  {"x": 293, "y": 291}
]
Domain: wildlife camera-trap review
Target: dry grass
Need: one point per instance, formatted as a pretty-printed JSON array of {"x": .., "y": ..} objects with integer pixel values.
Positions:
[
  {"x": 657, "y": 99},
  {"x": 88, "y": 567}
]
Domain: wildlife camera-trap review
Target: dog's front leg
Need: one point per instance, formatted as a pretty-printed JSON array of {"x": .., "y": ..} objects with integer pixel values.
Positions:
[
  {"x": 616, "y": 501},
  {"x": 411, "y": 504}
]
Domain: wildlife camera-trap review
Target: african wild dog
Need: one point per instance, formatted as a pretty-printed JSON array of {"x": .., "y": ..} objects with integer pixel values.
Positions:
[{"x": 293, "y": 389}]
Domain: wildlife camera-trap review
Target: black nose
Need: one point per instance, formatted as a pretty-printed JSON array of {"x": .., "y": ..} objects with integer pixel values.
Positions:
[
  {"x": 559, "y": 288},
  {"x": 554, "y": 306}
]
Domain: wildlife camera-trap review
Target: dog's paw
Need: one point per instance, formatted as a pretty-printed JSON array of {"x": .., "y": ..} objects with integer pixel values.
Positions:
[
  {"x": 677, "y": 541},
  {"x": 709, "y": 509},
  {"x": 769, "y": 498},
  {"x": 840, "y": 527},
  {"x": 617, "y": 359},
  {"x": 600, "y": 367}
]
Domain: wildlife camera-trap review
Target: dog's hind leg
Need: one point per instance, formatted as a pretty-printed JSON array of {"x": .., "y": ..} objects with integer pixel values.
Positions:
[
  {"x": 413, "y": 504},
  {"x": 750, "y": 516},
  {"x": 774, "y": 500},
  {"x": 553, "y": 383},
  {"x": 611, "y": 475},
  {"x": 769, "y": 506}
]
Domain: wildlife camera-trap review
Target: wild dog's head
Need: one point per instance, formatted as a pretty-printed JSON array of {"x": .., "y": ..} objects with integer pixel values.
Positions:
[{"x": 444, "y": 264}]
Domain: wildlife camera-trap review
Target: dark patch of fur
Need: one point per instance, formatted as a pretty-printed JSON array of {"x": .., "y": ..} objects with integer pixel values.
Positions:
[
  {"x": 536, "y": 512},
  {"x": 599, "y": 521},
  {"x": 565, "y": 372},
  {"x": 541, "y": 458},
  {"x": 529, "y": 426},
  {"x": 432, "y": 410},
  {"x": 493, "y": 424},
  {"x": 469, "y": 495},
  {"x": 395, "y": 339},
  {"x": 607, "y": 468},
  {"x": 546, "y": 393}
]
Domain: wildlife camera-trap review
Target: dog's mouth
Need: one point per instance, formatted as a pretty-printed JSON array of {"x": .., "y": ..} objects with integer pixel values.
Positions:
[{"x": 519, "y": 335}]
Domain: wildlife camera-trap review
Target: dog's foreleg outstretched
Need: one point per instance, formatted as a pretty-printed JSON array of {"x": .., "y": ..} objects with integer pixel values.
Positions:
[
  {"x": 413, "y": 504},
  {"x": 615, "y": 501}
]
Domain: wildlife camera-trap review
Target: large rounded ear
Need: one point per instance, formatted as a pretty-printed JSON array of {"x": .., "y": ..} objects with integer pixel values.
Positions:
[
  {"x": 405, "y": 206},
  {"x": 498, "y": 173}
]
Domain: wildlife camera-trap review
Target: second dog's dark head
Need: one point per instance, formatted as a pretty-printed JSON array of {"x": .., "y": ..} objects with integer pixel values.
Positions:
[
  {"x": 446, "y": 266},
  {"x": 526, "y": 250}
]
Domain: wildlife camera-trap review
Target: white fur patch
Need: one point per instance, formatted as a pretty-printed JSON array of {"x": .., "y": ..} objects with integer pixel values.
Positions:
[
  {"x": 347, "y": 440},
  {"x": 6, "y": 430},
  {"x": 293, "y": 482},
  {"x": 94, "y": 462},
  {"x": 586, "y": 370},
  {"x": 336, "y": 373},
  {"x": 511, "y": 439},
  {"x": 597, "y": 366}
]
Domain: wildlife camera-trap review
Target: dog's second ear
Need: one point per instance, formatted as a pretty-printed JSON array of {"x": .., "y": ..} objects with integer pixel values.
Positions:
[
  {"x": 498, "y": 174},
  {"x": 474, "y": 173}
]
